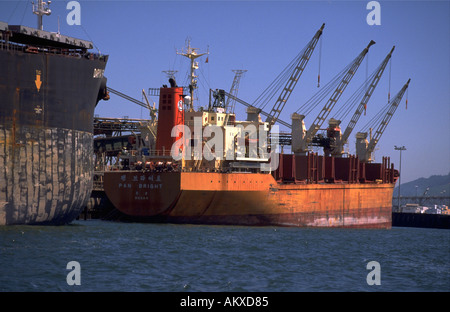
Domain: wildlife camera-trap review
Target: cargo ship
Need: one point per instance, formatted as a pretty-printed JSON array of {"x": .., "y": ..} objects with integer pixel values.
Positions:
[
  {"x": 50, "y": 85},
  {"x": 205, "y": 167}
]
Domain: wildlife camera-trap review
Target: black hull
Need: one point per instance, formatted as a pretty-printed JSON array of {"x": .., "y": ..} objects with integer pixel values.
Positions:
[{"x": 47, "y": 102}]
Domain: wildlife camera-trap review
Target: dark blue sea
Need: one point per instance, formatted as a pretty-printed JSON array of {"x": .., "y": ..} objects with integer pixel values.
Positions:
[{"x": 131, "y": 257}]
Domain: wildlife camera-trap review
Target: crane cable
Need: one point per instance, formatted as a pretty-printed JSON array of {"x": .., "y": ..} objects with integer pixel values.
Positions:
[
  {"x": 351, "y": 103},
  {"x": 268, "y": 94},
  {"x": 406, "y": 107},
  {"x": 376, "y": 119},
  {"x": 287, "y": 74},
  {"x": 320, "y": 61},
  {"x": 390, "y": 70},
  {"x": 317, "y": 98}
]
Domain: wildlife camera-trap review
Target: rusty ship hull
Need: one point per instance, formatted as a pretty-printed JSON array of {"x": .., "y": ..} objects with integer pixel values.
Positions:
[
  {"x": 251, "y": 199},
  {"x": 48, "y": 92}
]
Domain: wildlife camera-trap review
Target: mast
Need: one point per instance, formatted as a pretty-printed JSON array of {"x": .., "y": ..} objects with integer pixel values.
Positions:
[
  {"x": 41, "y": 8},
  {"x": 191, "y": 53}
]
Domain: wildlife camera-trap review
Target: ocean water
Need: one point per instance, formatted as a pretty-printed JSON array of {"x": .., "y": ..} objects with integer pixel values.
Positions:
[{"x": 129, "y": 257}]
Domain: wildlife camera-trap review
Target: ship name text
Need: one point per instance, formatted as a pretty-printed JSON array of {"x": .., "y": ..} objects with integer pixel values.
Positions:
[{"x": 141, "y": 182}]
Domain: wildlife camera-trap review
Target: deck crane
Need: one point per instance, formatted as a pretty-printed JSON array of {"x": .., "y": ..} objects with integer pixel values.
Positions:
[
  {"x": 364, "y": 149},
  {"x": 129, "y": 98},
  {"x": 293, "y": 79},
  {"x": 337, "y": 149},
  {"x": 233, "y": 90},
  {"x": 238, "y": 73},
  {"x": 300, "y": 139},
  {"x": 152, "y": 110},
  {"x": 249, "y": 106},
  {"x": 273, "y": 116}
]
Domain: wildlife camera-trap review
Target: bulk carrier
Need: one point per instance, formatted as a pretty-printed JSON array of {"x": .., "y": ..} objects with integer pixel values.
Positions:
[
  {"x": 50, "y": 85},
  {"x": 206, "y": 167}
]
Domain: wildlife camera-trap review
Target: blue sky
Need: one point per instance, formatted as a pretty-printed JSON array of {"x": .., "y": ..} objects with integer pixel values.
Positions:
[{"x": 142, "y": 38}]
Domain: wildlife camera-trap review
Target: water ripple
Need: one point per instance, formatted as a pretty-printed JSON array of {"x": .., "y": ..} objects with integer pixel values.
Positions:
[{"x": 189, "y": 258}]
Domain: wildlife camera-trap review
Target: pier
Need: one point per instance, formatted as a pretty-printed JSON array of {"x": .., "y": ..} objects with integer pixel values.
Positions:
[{"x": 427, "y": 201}]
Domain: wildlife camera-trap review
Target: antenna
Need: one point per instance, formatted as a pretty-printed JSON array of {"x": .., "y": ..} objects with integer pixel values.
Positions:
[
  {"x": 170, "y": 73},
  {"x": 192, "y": 54},
  {"x": 41, "y": 8}
]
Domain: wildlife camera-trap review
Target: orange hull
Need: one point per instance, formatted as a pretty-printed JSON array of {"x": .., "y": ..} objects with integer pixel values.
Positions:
[{"x": 247, "y": 199}]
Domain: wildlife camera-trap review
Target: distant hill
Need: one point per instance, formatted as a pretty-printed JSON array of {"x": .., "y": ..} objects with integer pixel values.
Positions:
[{"x": 438, "y": 185}]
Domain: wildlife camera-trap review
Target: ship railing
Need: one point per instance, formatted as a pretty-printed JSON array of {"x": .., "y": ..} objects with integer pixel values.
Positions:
[
  {"x": 11, "y": 46},
  {"x": 76, "y": 53},
  {"x": 147, "y": 153}
]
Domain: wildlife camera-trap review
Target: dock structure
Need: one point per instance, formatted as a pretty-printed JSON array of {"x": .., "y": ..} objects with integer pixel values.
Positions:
[
  {"x": 113, "y": 137},
  {"x": 421, "y": 200},
  {"x": 116, "y": 126},
  {"x": 421, "y": 220}
]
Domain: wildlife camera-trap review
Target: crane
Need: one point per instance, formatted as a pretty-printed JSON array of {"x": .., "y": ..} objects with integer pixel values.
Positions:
[
  {"x": 234, "y": 87},
  {"x": 340, "y": 141},
  {"x": 129, "y": 98},
  {"x": 233, "y": 90},
  {"x": 364, "y": 149},
  {"x": 300, "y": 144},
  {"x": 292, "y": 81},
  {"x": 152, "y": 109},
  {"x": 232, "y": 97}
]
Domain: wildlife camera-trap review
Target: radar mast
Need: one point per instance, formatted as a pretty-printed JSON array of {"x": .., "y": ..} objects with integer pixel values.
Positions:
[{"x": 192, "y": 54}]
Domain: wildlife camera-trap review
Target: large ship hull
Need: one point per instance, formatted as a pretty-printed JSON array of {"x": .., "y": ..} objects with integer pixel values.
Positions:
[
  {"x": 47, "y": 177},
  {"x": 47, "y": 102},
  {"x": 253, "y": 199}
]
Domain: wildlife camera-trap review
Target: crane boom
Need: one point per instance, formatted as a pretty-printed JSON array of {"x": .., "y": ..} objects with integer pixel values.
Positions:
[
  {"x": 387, "y": 118},
  {"x": 234, "y": 87},
  {"x": 364, "y": 101},
  {"x": 232, "y": 97},
  {"x": 365, "y": 149},
  {"x": 292, "y": 81},
  {"x": 129, "y": 98},
  {"x": 315, "y": 126}
]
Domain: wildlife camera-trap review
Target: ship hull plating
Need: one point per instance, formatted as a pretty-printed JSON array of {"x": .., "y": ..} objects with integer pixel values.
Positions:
[
  {"x": 46, "y": 175},
  {"x": 47, "y": 102},
  {"x": 252, "y": 199}
]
